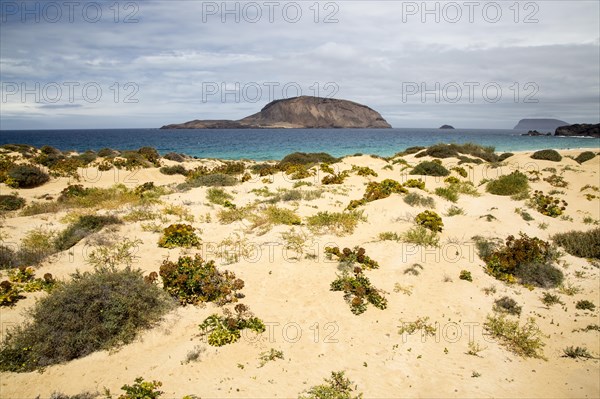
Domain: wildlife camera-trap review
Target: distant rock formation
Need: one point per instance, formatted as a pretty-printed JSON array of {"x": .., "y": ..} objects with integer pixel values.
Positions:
[
  {"x": 536, "y": 133},
  {"x": 543, "y": 125},
  {"x": 583, "y": 129},
  {"x": 299, "y": 112},
  {"x": 446, "y": 127}
]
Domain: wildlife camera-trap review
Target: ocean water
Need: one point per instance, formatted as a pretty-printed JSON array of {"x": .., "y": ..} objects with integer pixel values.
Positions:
[{"x": 264, "y": 144}]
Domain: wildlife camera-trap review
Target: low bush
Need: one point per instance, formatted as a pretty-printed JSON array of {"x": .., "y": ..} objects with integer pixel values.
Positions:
[
  {"x": 26, "y": 176},
  {"x": 108, "y": 153},
  {"x": 447, "y": 193},
  {"x": 194, "y": 280},
  {"x": 350, "y": 256},
  {"x": 212, "y": 180},
  {"x": 547, "y": 204},
  {"x": 584, "y": 304},
  {"x": 585, "y": 156},
  {"x": 454, "y": 210},
  {"x": 414, "y": 183},
  {"x": 337, "y": 178},
  {"x": 512, "y": 184},
  {"x": 465, "y": 275},
  {"x": 505, "y": 156},
  {"x": 378, "y": 190},
  {"x": 173, "y": 156},
  {"x": 174, "y": 170},
  {"x": 547, "y": 155},
  {"x": 11, "y": 203},
  {"x": 139, "y": 390},
  {"x": 583, "y": 244},
  {"x": 430, "y": 220},
  {"x": 358, "y": 291},
  {"x": 93, "y": 311},
  {"x": 218, "y": 196},
  {"x": 549, "y": 299},
  {"x": 304, "y": 158},
  {"x": 507, "y": 305},
  {"x": 336, "y": 387},
  {"x": 83, "y": 227},
  {"x": 428, "y": 168},
  {"x": 364, "y": 171},
  {"x": 419, "y": 235},
  {"x": 226, "y": 329},
  {"x": 150, "y": 154},
  {"x": 416, "y": 199},
  {"x": 339, "y": 223},
  {"x": 179, "y": 235},
  {"x": 523, "y": 340}
]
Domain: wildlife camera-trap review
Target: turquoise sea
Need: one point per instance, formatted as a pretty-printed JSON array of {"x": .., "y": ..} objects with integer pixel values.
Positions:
[{"x": 263, "y": 144}]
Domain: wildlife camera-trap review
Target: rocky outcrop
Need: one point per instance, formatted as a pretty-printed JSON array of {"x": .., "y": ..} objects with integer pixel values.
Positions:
[
  {"x": 583, "y": 129},
  {"x": 543, "y": 125},
  {"x": 446, "y": 127},
  {"x": 299, "y": 112},
  {"x": 536, "y": 133}
]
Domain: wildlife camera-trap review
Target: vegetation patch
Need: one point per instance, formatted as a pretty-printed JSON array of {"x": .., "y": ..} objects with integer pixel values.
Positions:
[
  {"x": 11, "y": 203},
  {"x": 525, "y": 341},
  {"x": 194, "y": 280},
  {"x": 83, "y": 227},
  {"x": 547, "y": 204},
  {"x": 512, "y": 184},
  {"x": 226, "y": 329},
  {"x": 358, "y": 291},
  {"x": 339, "y": 223},
  {"x": 585, "y": 156},
  {"x": 179, "y": 235},
  {"x": 349, "y": 256},
  {"x": 26, "y": 176},
  {"x": 416, "y": 199},
  {"x": 583, "y": 244},
  {"x": 336, "y": 387},
  {"x": 507, "y": 305},
  {"x": 428, "y": 168},
  {"x": 378, "y": 190},
  {"x": 420, "y": 235},
  {"x": 547, "y": 155}
]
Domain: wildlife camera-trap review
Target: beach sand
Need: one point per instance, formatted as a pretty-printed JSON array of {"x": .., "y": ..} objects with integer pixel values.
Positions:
[{"x": 312, "y": 325}]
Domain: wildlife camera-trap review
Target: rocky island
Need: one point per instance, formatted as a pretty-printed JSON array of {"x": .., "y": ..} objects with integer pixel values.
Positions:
[
  {"x": 447, "y": 127},
  {"x": 299, "y": 112},
  {"x": 540, "y": 124},
  {"x": 579, "y": 129}
]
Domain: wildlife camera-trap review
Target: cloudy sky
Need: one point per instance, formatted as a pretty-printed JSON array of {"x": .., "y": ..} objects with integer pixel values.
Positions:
[{"x": 110, "y": 64}]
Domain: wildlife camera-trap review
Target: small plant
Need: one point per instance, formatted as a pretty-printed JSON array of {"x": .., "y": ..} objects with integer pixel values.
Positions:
[
  {"x": 547, "y": 155},
  {"x": 416, "y": 199},
  {"x": 524, "y": 214},
  {"x": 337, "y": 178},
  {"x": 569, "y": 289},
  {"x": 364, "y": 171},
  {"x": 512, "y": 184},
  {"x": 141, "y": 390},
  {"x": 584, "y": 304},
  {"x": 11, "y": 203},
  {"x": 489, "y": 290},
  {"x": 475, "y": 348},
  {"x": 338, "y": 223},
  {"x": 406, "y": 290},
  {"x": 428, "y": 168},
  {"x": 577, "y": 352},
  {"x": 389, "y": 236},
  {"x": 415, "y": 183},
  {"x": 117, "y": 252},
  {"x": 226, "y": 329},
  {"x": 460, "y": 170},
  {"x": 174, "y": 170},
  {"x": 218, "y": 196},
  {"x": 583, "y": 244},
  {"x": 430, "y": 220},
  {"x": 507, "y": 305},
  {"x": 454, "y": 211},
  {"x": 350, "y": 256},
  {"x": 523, "y": 340},
  {"x": 358, "y": 291},
  {"x": 549, "y": 299},
  {"x": 26, "y": 176},
  {"x": 419, "y": 235},
  {"x": 194, "y": 280},
  {"x": 376, "y": 191},
  {"x": 447, "y": 193},
  {"x": 421, "y": 324},
  {"x": 179, "y": 235},
  {"x": 270, "y": 356},
  {"x": 414, "y": 269},
  {"x": 336, "y": 387},
  {"x": 556, "y": 181},
  {"x": 465, "y": 275}
]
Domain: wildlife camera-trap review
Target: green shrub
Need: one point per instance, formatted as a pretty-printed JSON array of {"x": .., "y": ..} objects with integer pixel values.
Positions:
[
  {"x": 174, "y": 170},
  {"x": 223, "y": 330},
  {"x": 419, "y": 235},
  {"x": 583, "y": 244},
  {"x": 507, "y": 305},
  {"x": 584, "y": 304},
  {"x": 11, "y": 203},
  {"x": 150, "y": 154},
  {"x": 338, "y": 223},
  {"x": 108, "y": 153},
  {"x": 577, "y": 352},
  {"x": 414, "y": 183},
  {"x": 141, "y": 390},
  {"x": 585, "y": 156},
  {"x": 94, "y": 311},
  {"x": 416, "y": 199},
  {"x": 27, "y": 176},
  {"x": 358, "y": 291},
  {"x": 218, "y": 196},
  {"x": 337, "y": 178},
  {"x": 547, "y": 204},
  {"x": 213, "y": 180},
  {"x": 364, "y": 171},
  {"x": 430, "y": 220},
  {"x": 448, "y": 193},
  {"x": 194, "y": 280},
  {"x": 350, "y": 256},
  {"x": 428, "y": 168},
  {"x": 83, "y": 227},
  {"x": 336, "y": 387},
  {"x": 465, "y": 275},
  {"x": 523, "y": 340},
  {"x": 505, "y": 156},
  {"x": 383, "y": 189},
  {"x": 524, "y": 259},
  {"x": 547, "y": 155},
  {"x": 303, "y": 158},
  {"x": 173, "y": 156},
  {"x": 179, "y": 235},
  {"x": 512, "y": 184}
]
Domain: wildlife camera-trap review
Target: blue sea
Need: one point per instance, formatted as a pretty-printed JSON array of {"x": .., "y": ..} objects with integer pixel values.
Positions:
[{"x": 265, "y": 144}]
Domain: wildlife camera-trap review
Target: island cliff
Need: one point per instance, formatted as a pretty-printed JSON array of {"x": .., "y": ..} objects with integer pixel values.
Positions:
[
  {"x": 299, "y": 112},
  {"x": 579, "y": 129}
]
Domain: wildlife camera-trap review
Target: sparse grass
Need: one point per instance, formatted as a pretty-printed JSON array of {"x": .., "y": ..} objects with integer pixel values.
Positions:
[
  {"x": 83, "y": 227},
  {"x": 549, "y": 299},
  {"x": 416, "y": 199},
  {"x": 218, "y": 196},
  {"x": 211, "y": 180},
  {"x": 489, "y": 290},
  {"x": 512, "y": 184},
  {"x": 36, "y": 246},
  {"x": 181, "y": 212},
  {"x": 273, "y": 215},
  {"x": 11, "y": 203},
  {"x": 420, "y": 324},
  {"x": 336, "y": 387},
  {"x": 577, "y": 353},
  {"x": 294, "y": 241},
  {"x": 389, "y": 236},
  {"x": 583, "y": 244},
  {"x": 338, "y": 223},
  {"x": 569, "y": 289},
  {"x": 454, "y": 211},
  {"x": 64, "y": 325},
  {"x": 419, "y": 235},
  {"x": 231, "y": 215},
  {"x": 270, "y": 356},
  {"x": 524, "y": 214},
  {"x": 194, "y": 354},
  {"x": 523, "y": 340},
  {"x": 447, "y": 193},
  {"x": 475, "y": 348},
  {"x": 405, "y": 289}
]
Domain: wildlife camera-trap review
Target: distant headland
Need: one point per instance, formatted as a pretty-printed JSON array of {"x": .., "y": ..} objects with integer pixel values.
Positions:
[
  {"x": 541, "y": 125},
  {"x": 447, "y": 127},
  {"x": 299, "y": 112}
]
